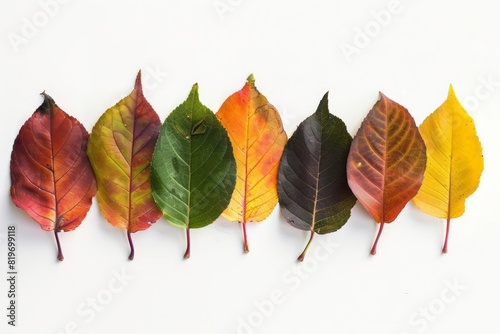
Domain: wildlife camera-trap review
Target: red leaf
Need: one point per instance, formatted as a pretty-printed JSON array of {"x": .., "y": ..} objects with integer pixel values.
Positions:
[{"x": 51, "y": 177}]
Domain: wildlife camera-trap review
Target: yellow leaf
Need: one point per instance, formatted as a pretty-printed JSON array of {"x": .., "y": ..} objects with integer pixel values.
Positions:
[{"x": 454, "y": 161}]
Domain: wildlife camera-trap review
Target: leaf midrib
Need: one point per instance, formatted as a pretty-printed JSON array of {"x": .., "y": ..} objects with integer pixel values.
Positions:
[
  {"x": 53, "y": 172},
  {"x": 448, "y": 214},
  {"x": 313, "y": 222},
  {"x": 384, "y": 165},
  {"x": 190, "y": 139},
  {"x": 131, "y": 164},
  {"x": 245, "y": 180}
]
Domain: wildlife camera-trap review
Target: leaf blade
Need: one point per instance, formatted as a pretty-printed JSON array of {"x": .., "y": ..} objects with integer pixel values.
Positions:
[
  {"x": 386, "y": 161},
  {"x": 258, "y": 139},
  {"x": 120, "y": 149},
  {"x": 193, "y": 168},
  {"x": 313, "y": 191},
  {"x": 51, "y": 177},
  {"x": 455, "y": 161}
]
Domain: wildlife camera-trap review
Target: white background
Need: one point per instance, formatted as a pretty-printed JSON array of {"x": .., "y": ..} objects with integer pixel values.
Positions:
[{"x": 86, "y": 55}]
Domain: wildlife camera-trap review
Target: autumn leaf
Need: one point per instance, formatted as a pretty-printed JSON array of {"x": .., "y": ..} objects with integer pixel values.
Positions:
[
  {"x": 386, "y": 162},
  {"x": 313, "y": 191},
  {"x": 120, "y": 149},
  {"x": 193, "y": 170},
  {"x": 51, "y": 178},
  {"x": 454, "y": 162},
  {"x": 258, "y": 140}
]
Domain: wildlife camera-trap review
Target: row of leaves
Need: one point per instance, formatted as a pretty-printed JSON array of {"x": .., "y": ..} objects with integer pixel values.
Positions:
[{"x": 238, "y": 163}]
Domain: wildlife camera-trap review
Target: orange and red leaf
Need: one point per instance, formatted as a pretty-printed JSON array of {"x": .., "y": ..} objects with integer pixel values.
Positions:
[{"x": 258, "y": 139}]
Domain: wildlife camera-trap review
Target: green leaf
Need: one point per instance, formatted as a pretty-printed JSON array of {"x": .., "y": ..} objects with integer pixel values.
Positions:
[
  {"x": 193, "y": 171},
  {"x": 312, "y": 184}
]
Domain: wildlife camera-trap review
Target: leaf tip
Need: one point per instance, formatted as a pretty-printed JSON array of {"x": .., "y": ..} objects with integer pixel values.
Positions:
[
  {"x": 323, "y": 106},
  {"x": 450, "y": 88},
  {"x": 451, "y": 92},
  {"x": 194, "y": 92},
  {"x": 138, "y": 81},
  {"x": 324, "y": 100},
  {"x": 47, "y": 107},
  {"x": 194, "y": 89},
  {"x": 452, "y": 98},
  {"x": 382, "y": 96},
  {"x": 251, "y": 78}
]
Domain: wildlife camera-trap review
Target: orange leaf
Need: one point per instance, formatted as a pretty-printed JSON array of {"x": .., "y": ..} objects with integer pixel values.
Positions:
[
  {"x": 258, "y": 139},
  {"x": 386, "y": 163}
]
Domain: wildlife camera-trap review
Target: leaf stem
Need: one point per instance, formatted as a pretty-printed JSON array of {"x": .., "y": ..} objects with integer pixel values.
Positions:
[
  {"x": 374, "y": 248},
  {"x": 445, "y": 247},
  {"x": 132, "y": 251},
  {"x": 60, "y": 255},
  {"x": 188, "y": 245},
  {"x": 301, "y": 256},
  {"x": 245, "y": 240}
]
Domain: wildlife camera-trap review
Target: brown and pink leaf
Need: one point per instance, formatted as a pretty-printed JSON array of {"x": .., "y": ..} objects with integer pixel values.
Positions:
[{"x": 386, "y": 162}]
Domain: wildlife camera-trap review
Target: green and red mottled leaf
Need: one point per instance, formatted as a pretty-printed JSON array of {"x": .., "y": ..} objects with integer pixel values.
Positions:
[
  {"x": 258, "y": 140},
  {"x": 312, "y": 184},
  {"x": 386, "y": 162},
  {"x": 51, "y": 178},
  {"x": 120, "y": 149}
]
